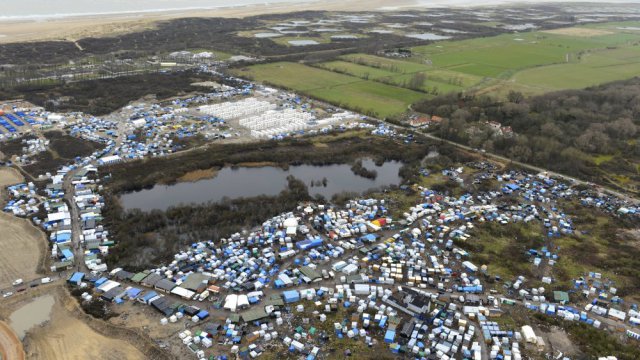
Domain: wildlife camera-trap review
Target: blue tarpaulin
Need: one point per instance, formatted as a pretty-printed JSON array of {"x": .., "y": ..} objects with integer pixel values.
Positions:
[
  {"x": 76, "y": 278},
  {"x": 291, "y": 296},
  {"x": 389, "y": 336}
]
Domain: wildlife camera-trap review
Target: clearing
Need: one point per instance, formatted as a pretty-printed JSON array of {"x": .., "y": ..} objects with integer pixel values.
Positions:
[{"x": 578, "y": 31}]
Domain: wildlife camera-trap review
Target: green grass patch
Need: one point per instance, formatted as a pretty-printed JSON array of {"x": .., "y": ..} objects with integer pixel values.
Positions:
[
  {"x": 601, "y": 159},
  {"x": 366, "y": 96},
  {"x": 538, "y": 62}
]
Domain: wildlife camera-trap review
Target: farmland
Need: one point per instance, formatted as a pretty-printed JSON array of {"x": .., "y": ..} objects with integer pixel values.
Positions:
[
  {"x": 529, "y": 62},
  {"x": 368, "y": 96},
  {"x": 538, "y": 62}
]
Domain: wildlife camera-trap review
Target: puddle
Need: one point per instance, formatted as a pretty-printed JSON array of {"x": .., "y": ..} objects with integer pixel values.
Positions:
[{"x": 34, "y": 313}]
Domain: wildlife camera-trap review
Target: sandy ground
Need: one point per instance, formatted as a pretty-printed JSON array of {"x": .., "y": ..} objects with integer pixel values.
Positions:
[
  {"x": 10, "y": 345},
  {"x": 9, "y": 176},
  {"x": 21, "y": 248},
  {"x": 581, "y": 32},
  {"x": 22, "y": 245},
  {"x": 67, "y": 337},
  {"x": 74, "y": 28}
]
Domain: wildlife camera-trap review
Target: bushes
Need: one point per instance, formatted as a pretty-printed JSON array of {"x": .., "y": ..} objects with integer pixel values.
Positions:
[
  {"x": 97, "y": 308},
  {"x": 562, "y": 131},
  {"x": 101, "y": 97},
  {"x": 592, "y": 342},
  {"x": 144, "y": 239}
]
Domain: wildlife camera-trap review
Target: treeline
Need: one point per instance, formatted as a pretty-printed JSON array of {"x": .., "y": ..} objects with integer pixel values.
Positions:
[
  {"x": 103, "y": 96},
  {"x": 589, "y": 133}
]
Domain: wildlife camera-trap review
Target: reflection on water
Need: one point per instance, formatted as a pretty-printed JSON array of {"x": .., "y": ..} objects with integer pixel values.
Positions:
[{"x": 249, "y": 182}]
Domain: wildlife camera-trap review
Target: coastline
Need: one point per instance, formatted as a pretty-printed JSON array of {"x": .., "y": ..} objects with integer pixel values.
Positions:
[{"x": 77, "y": 27}]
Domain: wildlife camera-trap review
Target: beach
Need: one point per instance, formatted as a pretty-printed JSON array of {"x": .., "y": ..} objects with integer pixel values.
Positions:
[{"x": 77, "y": 27}]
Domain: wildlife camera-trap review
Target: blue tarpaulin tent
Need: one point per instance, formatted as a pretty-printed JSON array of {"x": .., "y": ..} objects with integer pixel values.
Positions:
[
  {"x": 389, "y": 336},
  {"x": 133, "y": 293},
  {"x": 202, "y": 314},
  {"x": 291, "y": 296},
  {"x": 76, "y": 278}
]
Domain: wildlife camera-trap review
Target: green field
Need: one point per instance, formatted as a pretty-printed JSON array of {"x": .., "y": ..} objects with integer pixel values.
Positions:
[
  {"x": 539, "y": 62},
  {"x": 530, "y": 62},
  {"x": 398, "y": 72},
  {"x": 351, "y": 92},
  {"x": 594, "y": 68}
]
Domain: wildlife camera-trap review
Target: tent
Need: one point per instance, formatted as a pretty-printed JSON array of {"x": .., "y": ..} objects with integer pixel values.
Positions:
[{"x": 291, "y": 296}]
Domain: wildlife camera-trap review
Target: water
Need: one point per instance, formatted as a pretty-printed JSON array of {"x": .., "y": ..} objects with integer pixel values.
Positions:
[
  {"x": 34, "y": 313},
  {"x": 303, "y": 42},
  {"x": 266, "y": 35},
  {"x": 344, "y": 37},
  {"x": 428, "y": 36},
  {"x": 47, "y": 9},
  {"x": 249, "y": 182}
]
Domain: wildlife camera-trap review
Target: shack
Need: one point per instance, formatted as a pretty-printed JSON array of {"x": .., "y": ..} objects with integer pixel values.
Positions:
[
  {"x": 76, "y": 278},
  {"x": 196, "y": 282}
]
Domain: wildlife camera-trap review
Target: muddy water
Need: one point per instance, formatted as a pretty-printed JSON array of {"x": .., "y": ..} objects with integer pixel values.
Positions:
[{"x": 34, "y": 313}]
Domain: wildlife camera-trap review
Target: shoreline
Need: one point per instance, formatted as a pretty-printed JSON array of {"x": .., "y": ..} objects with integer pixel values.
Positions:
[{"x": 75, "y": 27}]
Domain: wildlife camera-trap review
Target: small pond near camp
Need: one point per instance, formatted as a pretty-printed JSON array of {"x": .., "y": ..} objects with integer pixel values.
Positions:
[
  {"x": 34, "y": 313},
  {"x": 240, "y": 182}
]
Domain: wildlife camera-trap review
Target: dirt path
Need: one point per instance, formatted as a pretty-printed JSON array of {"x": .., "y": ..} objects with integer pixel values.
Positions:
[{"x": 10, "y": 345}]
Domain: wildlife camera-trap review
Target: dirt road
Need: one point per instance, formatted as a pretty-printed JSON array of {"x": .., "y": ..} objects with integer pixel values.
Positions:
[{"x": 10, "y": 345}]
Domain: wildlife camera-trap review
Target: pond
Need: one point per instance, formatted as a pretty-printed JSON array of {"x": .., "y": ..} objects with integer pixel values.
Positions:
[
  {"x": 266, "y": 35},
  {"x": 428, "y": 36},
  {"x": 344, "y": 37},
  {"x": 240, "y": 182},
  {"x": 302, "y": 42},
  {"x": 34, "y": 313}
]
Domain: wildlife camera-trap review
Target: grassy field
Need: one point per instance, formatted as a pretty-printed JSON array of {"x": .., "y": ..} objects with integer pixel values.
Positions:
[
  {"x": 543, "y": 61},
  {"x": 530, "y": 62},
  {"x": 355, "y": 93},
  {"x": 594, "y": 67},
  {"x": 398, "y": 72}
]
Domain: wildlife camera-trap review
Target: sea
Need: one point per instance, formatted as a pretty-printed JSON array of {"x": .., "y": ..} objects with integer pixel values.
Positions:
[{"x": 51, "y": 9}]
